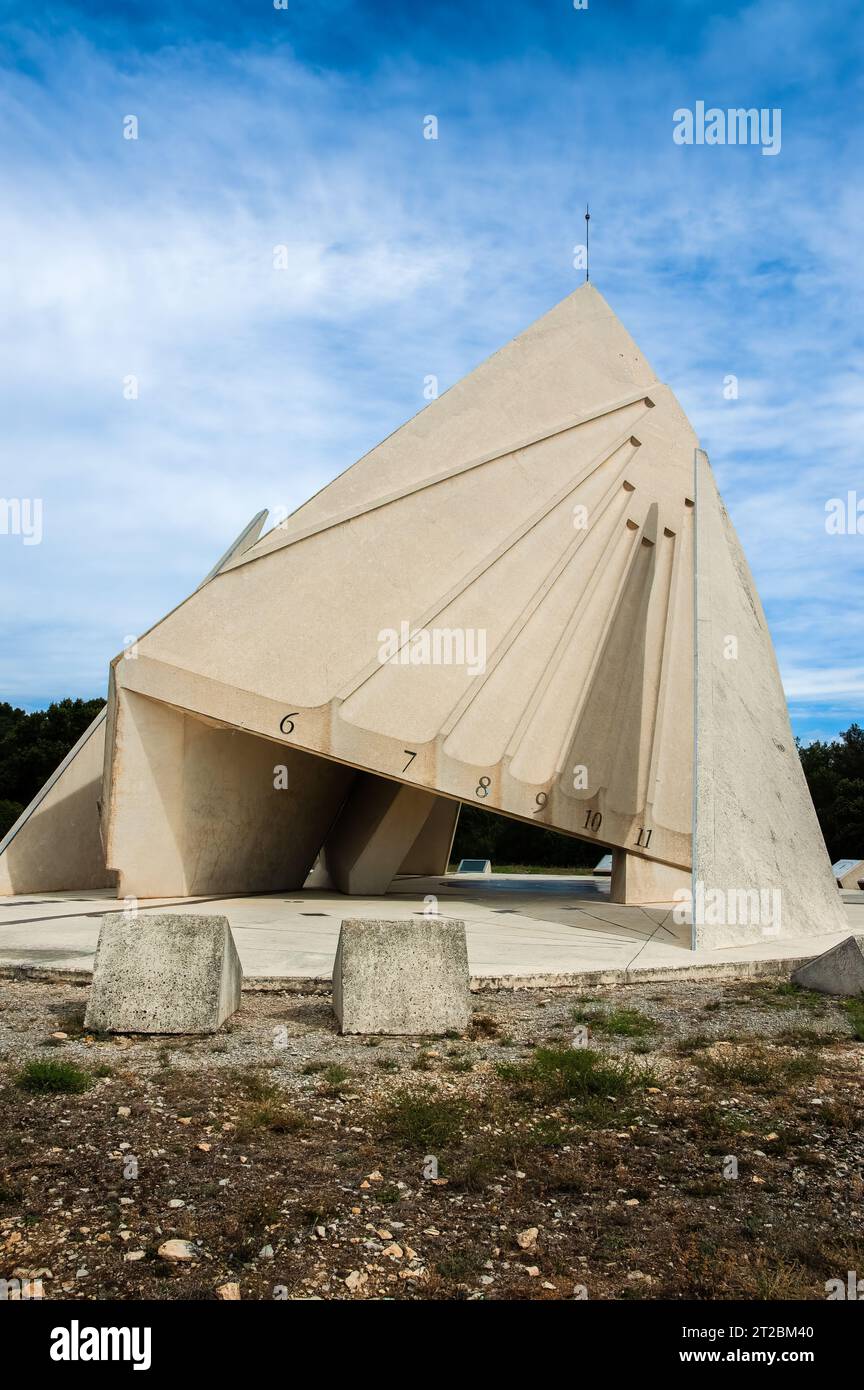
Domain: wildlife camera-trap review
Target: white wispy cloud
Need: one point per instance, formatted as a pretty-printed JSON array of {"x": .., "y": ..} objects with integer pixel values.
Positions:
[{"x": 406, "y": 257}]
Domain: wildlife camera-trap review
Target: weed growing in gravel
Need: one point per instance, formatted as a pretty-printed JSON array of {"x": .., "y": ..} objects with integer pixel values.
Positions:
[
  {"x": 695, "y": 1042},
  {"x": 855, "y": 1009},
  {"x": 578, "y": 1074},
  {"x": 419, "y": 1118},
  {"x": 759, "y": 1066},
  {"x": 255, "y": 1084},
  {"x": 334, "y": 1079},
  {"x": 53, "y": 1078},
  {"x": 484, "y": 1026},
  {"x": 386, "y": 1064},
  {"x": 278, "y": 1119},
  {"x": 617, "y": 1023}
]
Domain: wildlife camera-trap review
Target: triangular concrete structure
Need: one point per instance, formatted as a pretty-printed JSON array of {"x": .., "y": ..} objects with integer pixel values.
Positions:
[
  {"x": 838, "y": 971},
  {"x": 540, "y": 514},
  {"x": 494, "y": 606}
]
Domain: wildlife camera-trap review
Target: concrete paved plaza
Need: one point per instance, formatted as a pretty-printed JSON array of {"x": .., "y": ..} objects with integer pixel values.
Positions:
[{"x": 532, "y": 929}]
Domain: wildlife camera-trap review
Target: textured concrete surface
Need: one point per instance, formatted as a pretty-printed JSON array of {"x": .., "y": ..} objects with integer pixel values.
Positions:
[
  {"x": 163, "y": 973},
  {"x": 55, "y": 843},
  {"x": 644, "y": 881},
  {"x": 526, "y": 928},
  {"x": 837, "y": 971},
  {"x": 756, "y": 828},
  {"x": 213, "y": 810},
  {"x": 396, "y": 977},
  {"x": 376, "y": 829}
]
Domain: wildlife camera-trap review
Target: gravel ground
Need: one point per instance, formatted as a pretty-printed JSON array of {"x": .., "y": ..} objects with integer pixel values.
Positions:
[{"x": 692, "y": 1140}]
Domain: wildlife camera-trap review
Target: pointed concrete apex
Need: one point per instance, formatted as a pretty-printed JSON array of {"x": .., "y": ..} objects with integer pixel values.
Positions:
[
  {"x": 838, "y": 971},
  {"x": 163, "y": 973}
]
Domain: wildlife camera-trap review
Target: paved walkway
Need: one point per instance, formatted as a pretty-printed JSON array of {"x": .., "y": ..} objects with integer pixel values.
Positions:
[{"x": 530, "y": 928}]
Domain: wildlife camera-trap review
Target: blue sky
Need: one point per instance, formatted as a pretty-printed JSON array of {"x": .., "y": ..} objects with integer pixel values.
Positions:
[{"x": 303, "y": 127}]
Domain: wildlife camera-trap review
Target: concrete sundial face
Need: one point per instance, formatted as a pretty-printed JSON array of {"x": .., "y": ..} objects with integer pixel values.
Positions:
[
  {"x": 533, "y": 527},
  {"x": 522, "y": 599}
]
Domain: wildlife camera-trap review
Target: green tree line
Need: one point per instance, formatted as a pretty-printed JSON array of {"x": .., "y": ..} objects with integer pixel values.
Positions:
[{"x": 33, "y": 745}]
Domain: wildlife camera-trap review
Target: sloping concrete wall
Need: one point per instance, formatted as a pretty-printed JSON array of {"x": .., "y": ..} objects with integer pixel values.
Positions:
[
  {"x": 377, "y": 826},
  {"x": 755, "y": 827},
  {"x": 430, "y": 852},
  {"x": 56, "y": 843}
]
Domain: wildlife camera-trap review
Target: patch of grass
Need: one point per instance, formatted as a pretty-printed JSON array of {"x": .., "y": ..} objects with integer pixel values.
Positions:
[
  {"x": 459, "y": 1064},
  {"x": 806, "y": 1037},
  {"x": 420, "y": 1119},
  {"x": 562, "y": 1173},
  {"x": 386, "y": 1064},
  {"x": 695, "y": 1042},
  {"x": 759, "y": 1066},
  {"x": 855, "y": 1013},
  {"x": 388, "y": 1194},
  {"x": 842, "y": 1115},
  {"x": 705, "y": 1187},
  {"x": 53, "y": 1078},
  {"x": 459, "y": 1265},
  {"x": 475, "y": 1170},
  {"x": 556, "y": 1074},
  {"x": 255, "y": 1084},
  {"x": 335, "y": 1079},
  {"x": 783, "y": 995},
  {"x": 617, "y": 1023},
  {"x": 277, "y": 1119}
]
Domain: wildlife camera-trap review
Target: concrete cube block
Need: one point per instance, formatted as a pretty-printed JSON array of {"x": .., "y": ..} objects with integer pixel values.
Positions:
[
  {"x": 401, "y": 977},
  {"x": 838, "y": 971},
  {"x": 163, "y": 973}
]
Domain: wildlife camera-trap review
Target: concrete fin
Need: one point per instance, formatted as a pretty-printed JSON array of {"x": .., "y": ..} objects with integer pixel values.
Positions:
[{"x": 760, "y": 864}]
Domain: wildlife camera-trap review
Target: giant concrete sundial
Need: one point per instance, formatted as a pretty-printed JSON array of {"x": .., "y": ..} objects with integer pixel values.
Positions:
[{"x": 529, "y": 597}]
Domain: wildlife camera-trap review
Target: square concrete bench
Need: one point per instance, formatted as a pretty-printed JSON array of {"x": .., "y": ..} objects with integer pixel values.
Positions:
[
  {"x": 401, "y": 977},
  {"x": 163, "y": 972}
]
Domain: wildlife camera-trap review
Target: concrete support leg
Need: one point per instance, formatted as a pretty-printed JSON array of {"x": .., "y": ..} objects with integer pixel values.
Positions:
[
  {"x": 193, "y": 807},
  {"x": 640, "y": 882},
  {"x": 430, "y": 852},
  {"x": 377, "y": 827}
]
